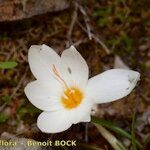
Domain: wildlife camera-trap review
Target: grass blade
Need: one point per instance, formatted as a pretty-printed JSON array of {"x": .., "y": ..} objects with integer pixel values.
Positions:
[
  {"x": 133, "y": 132},
  {"x": 111, "y": 139},
  {"x": 8, "y": 64},
  {"x": 114, "y": 128}
]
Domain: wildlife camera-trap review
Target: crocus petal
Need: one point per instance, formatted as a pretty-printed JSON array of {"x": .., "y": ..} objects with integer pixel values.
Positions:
[
  {"x": 41, "y": 60},
  {"x": 87, "y": 118},
  {"x": 111, "y": 85},
  {"x": 76, "y": 66},
  {"x": 82, "y": 112},
  {"x": 54, "y": 122},
  {"x": 43, "y": 97}
]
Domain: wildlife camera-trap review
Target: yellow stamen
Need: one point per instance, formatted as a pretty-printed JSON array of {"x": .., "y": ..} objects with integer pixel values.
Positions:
[{"x": 72, "y": 98}]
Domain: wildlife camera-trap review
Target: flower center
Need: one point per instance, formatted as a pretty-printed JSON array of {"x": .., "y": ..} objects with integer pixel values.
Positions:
[{"x": 71, "y": 98}]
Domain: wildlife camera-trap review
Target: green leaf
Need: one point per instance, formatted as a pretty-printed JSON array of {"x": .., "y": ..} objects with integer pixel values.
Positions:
[
  {"x": 133, "y": 132},
  {"x": 128, "y": 42},
  {"x": 3, "y": 118},
  {"x": 103, "y": 22},
  {"x": 6, "y": 98},
  {"x": 8, "y": 64},
  {"x": 22, "y": 111},
  {"x": 147, "y": 140},
  {"x": 114, "y": 128},
  {"x": 111, "y": 139}
]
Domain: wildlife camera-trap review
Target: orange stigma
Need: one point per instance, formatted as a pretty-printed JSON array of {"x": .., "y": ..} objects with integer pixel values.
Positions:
[
  {"x": 72, "y": 98},
  {"x": 59, "y": 76}
]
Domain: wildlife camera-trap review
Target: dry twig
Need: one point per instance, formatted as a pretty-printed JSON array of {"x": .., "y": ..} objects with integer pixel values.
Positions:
[
  {"x": 86, "y": 20},
  {"x": 73, "y": 21},
  {"x": 96, "y": 39},
  {"x": 19, "y": 84}
]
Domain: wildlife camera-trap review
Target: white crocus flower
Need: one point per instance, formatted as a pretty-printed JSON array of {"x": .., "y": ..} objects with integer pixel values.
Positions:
[{"x": 64, "y": 92}]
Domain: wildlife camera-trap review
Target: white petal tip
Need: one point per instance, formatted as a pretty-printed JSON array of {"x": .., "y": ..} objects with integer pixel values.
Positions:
[
  {"x": 34, "y": 47},
  {"x": 47, "y": 128},
  {"x": 112, "y": 85},
  {"x": 51, "y": 122},
  {"x": 134, "y": 77},
  {"x": 44, "y": 46},
  {"x": 72, "y": 46}
]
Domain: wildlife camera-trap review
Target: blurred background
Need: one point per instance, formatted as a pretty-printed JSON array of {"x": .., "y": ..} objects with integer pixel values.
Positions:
[{"x": 108, "y": 34}]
